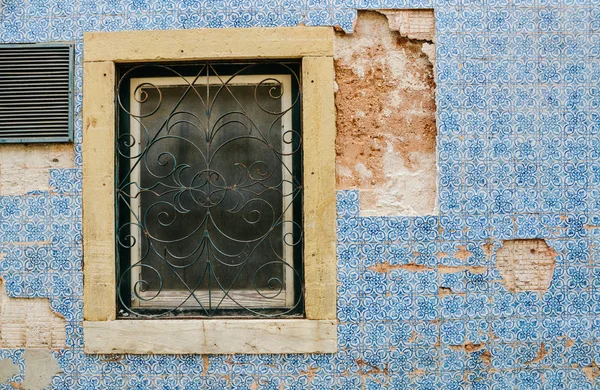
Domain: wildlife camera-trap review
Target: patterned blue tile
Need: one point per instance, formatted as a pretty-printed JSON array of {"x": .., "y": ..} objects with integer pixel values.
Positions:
[{"x": 517, "y": 150}]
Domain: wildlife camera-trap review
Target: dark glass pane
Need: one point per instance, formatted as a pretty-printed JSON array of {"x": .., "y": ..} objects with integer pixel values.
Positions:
[{"x": 211, "y": 206}]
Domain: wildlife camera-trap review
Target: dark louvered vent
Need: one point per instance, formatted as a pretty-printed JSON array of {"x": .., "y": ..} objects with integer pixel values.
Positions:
[{"x": 36, "y": 93}]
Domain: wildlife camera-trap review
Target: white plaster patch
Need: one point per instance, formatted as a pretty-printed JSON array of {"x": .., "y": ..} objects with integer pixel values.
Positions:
[
  {"x": 404, "y": 191},
  {"x": 40, "y": 367},
  {"x": 8, "y": 369},
  {"x": 29, "y": 323},
  {"x": 26, "y": 168},
  {"x": 362, "y": 171}
]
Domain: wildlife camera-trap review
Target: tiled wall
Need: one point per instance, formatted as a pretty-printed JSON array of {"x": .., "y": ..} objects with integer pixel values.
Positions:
[{"x": 518, "y": 155}]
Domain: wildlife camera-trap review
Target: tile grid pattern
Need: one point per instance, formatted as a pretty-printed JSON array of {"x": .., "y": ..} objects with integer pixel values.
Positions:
[{"x": 518, "y": 150}]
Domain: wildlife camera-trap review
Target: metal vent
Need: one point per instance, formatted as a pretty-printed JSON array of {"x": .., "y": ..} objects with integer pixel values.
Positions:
[{"x": 36, "y": 93}]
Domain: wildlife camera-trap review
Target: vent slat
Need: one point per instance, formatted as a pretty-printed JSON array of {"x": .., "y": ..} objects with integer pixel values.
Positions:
[
  {"x": 32, "y": 110},
  {"x": 24, "y": 95},
  {"x": 35, "y": 103},
  {"x": 33, "y": 113},
  {"x": 33, "y": 98},
  {"x": 38, "y": 85},
  {"x": 40, "y": 77},
  {"x": 41, "y": 59},
  {"x": 40, "y": 73},
  {"x": 24, "y": 91},
  {"x": 35, "y": 92},
  {"x": 33, "y": 88},
  {"x": 32, "y": 126}
]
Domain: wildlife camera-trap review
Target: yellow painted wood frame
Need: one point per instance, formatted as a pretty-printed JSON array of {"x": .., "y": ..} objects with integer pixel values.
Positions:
[{"x": 103, "y": 332}]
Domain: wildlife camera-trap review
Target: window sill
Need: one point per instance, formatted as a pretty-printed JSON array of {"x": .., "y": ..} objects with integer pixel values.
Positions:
[{"x": 213, "y": 336}]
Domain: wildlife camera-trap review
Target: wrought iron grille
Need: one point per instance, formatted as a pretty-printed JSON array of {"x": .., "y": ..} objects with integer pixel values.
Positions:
[{"x": 209, "y": 184}]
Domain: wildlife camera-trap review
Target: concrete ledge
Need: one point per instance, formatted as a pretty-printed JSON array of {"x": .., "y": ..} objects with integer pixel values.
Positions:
[{"x": 212, "y": 336}]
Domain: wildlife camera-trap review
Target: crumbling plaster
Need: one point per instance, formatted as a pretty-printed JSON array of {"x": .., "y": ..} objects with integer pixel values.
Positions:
[
  {"x": 385, "y": 100},
  {"x": 30, "y": 325},
  {"x": 526, "y": 265}
]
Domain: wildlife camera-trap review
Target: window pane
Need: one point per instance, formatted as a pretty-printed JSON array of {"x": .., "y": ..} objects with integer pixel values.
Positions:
[{"x": 211, "y": 195}]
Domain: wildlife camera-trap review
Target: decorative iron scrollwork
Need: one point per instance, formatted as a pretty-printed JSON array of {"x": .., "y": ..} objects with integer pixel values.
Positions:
[{"x": 209, "y": 190}]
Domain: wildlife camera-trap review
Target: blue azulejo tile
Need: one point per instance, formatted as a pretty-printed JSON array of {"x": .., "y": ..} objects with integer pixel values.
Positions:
[
  {"x": 349, "y": 309},
  {"x": 36, "y": 29},
  {"x": 400, "y": 282},
  {"x": 505, "y": 329},
  {"x": 452, "y": 306},
  {"x": 401, "y": 360},
  {"x": 348, "y": 336},
  {"x": 13, "y": 9},
  {"x": 579, "y": 328},
  {"x": 399, "y": 254},
  {"x": 426, "y": 228},
  {"x": 399, "y": 228},
  {"x": 62, "y": 29},
  {"x": 349, "y": 256},
  {"x": 65, "y": 181},
  {"x": 425, "y": 282},
  {"x": 426, "y": 308},
  {"x": 453, "y": 281},
  {"x": 477, "y": 305},
  {"x": 452, "y": 332},
  {"x": 528, "y": 329},
  {"x": 348, "y": 203},
  {"x": 70, "y": 308},
  {"x": 528, "y": 304},
  {"x": 373, "y": 230},
  {"x": 553, "y": 328},
  {"x": 372, "y": 254},
  {"x": 528, "y": 379},
  {"x": 449, "y": 174},
  {"x": 426, "y": 254},
  {"x": 35, "y": 207},
  {"x": 373, "y": 283},
  {"x": 503, "y": 357},
  {"x": 396, "y": 307},
  {"x": 577, "y": 278},
  {"x": 578, "y": 303},
  {"x": 477, "y": 281},
  {"x": 553, "y": 303},
  {"x": 580, "y": 354},
  {"x": 62, "y": 8},
  {"x": 349, "y": 230},
  {"x": 36, "y": 258}
]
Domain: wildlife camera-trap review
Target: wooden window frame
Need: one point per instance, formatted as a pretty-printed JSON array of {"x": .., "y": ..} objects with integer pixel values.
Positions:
[{"x": 103, "y": 332}]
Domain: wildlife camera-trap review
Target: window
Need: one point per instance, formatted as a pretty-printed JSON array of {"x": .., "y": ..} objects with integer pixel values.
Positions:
[
  {"x": 209, "y": 191},
  {"x": 36, "y": 99},
  {"x": 209, "y": 185}
]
